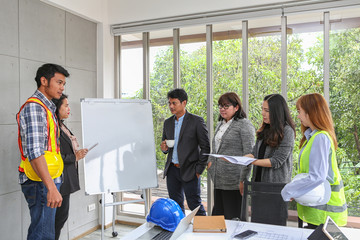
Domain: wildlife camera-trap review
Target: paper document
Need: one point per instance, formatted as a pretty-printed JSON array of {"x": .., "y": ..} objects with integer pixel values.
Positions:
[
  {"x": 235, "y": 159},
  {"x": 266, "y": 231}
]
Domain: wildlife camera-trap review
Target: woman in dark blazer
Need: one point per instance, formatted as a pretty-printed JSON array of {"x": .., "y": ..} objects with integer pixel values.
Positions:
[
  {"x": 70, "y": 155},
  {"x": 235, "y": 136}
]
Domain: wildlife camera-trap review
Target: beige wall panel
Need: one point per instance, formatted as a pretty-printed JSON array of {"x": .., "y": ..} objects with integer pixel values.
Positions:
[
  {"x": 81, "y": 84},
  {"x": 9, "y": 44},
  {"x": 9, "y": 159},
  {"x": 9, "y": 91},
  {"x": 42, "y": 32},
  {"x": 10, "y": 212},
  {"x": 80, "y": 43}
]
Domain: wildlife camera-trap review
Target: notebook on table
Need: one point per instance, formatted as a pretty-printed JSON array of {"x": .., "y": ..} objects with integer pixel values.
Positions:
[{"x": 209, "y": 224}]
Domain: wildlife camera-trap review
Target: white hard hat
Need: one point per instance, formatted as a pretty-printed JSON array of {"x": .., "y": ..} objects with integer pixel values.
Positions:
[{"x": 317, "y": 196}]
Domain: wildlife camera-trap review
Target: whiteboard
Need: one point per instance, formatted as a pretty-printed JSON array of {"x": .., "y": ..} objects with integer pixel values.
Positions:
[{"x": 125, "y": 157}]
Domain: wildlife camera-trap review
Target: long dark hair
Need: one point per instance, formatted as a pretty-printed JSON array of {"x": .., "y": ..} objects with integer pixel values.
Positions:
[
  {"x": 58, "y": 103},
  {"x": 279, "y": 114},
  {"x": 233, "y": 99}
]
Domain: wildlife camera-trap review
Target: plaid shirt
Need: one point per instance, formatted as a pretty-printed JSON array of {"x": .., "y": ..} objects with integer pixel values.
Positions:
[{"x": 33, "y": 130}]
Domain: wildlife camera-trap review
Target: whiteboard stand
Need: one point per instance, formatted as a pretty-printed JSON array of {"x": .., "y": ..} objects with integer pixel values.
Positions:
[
  {"x": 114, "y": 234},
  {"x": 114, "y": 204},
  {"x": 125, "y": 157}
]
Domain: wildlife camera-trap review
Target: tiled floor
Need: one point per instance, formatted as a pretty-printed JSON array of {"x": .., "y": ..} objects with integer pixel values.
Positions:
[{"x": 121, "y": 229}]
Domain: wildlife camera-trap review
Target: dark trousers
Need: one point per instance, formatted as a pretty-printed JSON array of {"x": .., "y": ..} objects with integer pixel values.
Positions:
[
  {"x": 309, "y": 225},
  {"x": 177, "y": 187},
  {"x": 62, "y": 214},
  {"x": 227, "y": 203}
]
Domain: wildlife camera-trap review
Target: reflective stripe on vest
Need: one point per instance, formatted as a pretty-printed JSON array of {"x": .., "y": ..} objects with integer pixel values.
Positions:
[
  {"x": 336, "y": 208},
  {"x": 52, "y": 129}
]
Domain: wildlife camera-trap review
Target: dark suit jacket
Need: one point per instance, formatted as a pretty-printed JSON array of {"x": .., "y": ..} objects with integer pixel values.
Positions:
[
  {"x": 193, "y": 143},
  {"x": 70, "y": 174}
]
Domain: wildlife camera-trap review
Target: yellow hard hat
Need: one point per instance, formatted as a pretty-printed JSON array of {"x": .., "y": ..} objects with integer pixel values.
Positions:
[{"x": 54, "y": 162}]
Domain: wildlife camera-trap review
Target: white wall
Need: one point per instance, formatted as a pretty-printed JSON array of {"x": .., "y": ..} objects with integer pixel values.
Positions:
[
  {"x": 122, "y": 11},
  {"x": 88, "y": 9}
]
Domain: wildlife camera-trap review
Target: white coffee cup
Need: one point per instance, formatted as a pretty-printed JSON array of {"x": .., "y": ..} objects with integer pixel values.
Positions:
[{"x": 170, "y": 143}]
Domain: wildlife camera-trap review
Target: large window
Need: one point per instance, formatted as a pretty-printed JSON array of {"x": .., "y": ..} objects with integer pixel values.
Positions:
[
  {"x": 193, "y": 68},
  {"x": 227, "y": 61},
  {"x": 344, "y": 98},
  {"x": 304, "y": 38},
  {"x": 264, "y": 63},
  {"x": 131, "y": 88},
  {"x": 161, "y": 81},
  {"x": 131, "y": 69},
  {"x": 304, "y": 44},
  {"x": 193, "y": 78},
  {"x": 305, "y": 74}
]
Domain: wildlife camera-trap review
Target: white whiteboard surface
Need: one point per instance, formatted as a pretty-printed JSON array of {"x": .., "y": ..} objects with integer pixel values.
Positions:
[{"x": 125, "y": 157}]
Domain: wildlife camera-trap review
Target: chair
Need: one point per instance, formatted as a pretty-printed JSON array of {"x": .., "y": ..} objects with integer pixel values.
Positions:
[{"x": 267, "y": 205}]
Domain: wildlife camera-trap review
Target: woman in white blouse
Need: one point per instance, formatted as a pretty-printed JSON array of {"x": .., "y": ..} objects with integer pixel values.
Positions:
[{"x": 235, "y": 136}]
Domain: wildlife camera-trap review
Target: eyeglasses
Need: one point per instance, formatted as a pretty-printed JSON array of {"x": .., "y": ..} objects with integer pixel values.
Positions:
[{"x": 225, "y": 107}]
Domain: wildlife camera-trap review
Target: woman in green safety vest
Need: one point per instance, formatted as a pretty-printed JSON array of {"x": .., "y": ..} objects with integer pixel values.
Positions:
[{"x": 317, "y": 158}]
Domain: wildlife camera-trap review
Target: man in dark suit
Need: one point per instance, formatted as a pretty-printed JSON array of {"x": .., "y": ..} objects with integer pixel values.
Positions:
[{"x": 186, "y": 160}]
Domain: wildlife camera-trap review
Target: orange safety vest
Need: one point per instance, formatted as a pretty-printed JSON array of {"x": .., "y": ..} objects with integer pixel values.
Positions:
[{"x": 52, "y": 155}]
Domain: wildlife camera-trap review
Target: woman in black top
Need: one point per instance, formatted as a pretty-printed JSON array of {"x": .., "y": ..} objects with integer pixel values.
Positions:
[
  {"x": 273, "y": 152},
  {"x": 70, "y": 155},
  {"x": 274, "y": 142}
]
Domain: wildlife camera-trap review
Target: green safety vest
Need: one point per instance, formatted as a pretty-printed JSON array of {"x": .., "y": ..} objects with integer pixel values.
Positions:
[{"x": 336, "y": 208}]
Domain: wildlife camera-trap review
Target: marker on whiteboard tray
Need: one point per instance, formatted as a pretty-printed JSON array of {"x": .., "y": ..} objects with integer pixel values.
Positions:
[{"x": 92, "y": 146}]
